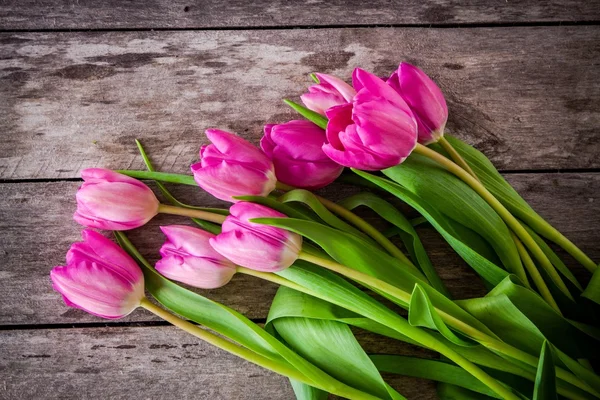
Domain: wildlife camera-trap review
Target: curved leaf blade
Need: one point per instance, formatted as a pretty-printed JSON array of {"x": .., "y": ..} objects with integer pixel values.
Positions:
[
  {"x": 489, "y": 271},
  {"x": 422, "y": 313},
  {"x": 409, "y": 236},
  {"x": 545, "y": 379}
]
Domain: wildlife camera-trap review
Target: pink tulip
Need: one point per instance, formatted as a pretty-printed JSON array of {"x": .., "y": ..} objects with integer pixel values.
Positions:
[
  {"x": 256, "y": 246},
  {"x": 99, "y": 278},
  {"x": 296, "y": 150},
  {"x": 425, "y": 100},
  {"x": 231, "y": 166},
  {"x": 188, "y": 257},
  {"x": 376, "y": 131},
  {"x": 330, "y": 91},
  {"x": 112, "y": 201}
]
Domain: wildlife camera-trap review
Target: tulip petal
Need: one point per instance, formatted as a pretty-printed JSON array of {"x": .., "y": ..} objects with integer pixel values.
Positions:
[{"x": 228, "y": 180}]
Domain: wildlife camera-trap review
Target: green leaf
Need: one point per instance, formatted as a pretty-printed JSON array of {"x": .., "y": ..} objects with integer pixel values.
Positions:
[
  {"x": 220, "y": 318},
  {"x": 350, "y": 250},
  {"x": 309, "y": 199},
  {"x": 592, "y": 290},
  {"x": 489, "y": 271},
  {"x": 422, "y": 313},
  {"x": 207, "y": 226},
  {"x": 502, "y": 190},
  {"x": 310, "y": 115},
  {"x": 452, "y": 392},
  {"x": 292, "y": 303},
  {"x": 160, "y": 176},
  {"x": 559, "y": 331},
  {"x": 345, "y": 300},
  {"x": 307, "y": 392},
  {"x": 275, "y": 204},
  {"x": 331, "y": 346},
  {"x": 409, "y": 236},
  {"x": 458, "y": 201},
  {"x": 430, "y": 369},
  {"x": 554, "y": 259},
  {"x": 498, "y": 312},
  {"x": 545, "y": 379}
]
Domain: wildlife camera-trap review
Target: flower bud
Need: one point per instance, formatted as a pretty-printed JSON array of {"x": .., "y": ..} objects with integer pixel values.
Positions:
[
  {"x": 112, "y": 201},
  {"x": 99, "y": 278},
  {"x": 296, "y": 150},
  {"x": 188, "y": 257},
  {"x": 330, "y": 91},
  {"x": 231, "y": 166},
  {"x": 424, "y": 98},
  {"x": 256, "y": 246},
  {"x": 376, "y": 131}
]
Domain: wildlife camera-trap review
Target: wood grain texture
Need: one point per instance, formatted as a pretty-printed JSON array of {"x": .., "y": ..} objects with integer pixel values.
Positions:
[
  {"x": 89, "y": 14},
  {"x": 527, "y": 97},
  {"x": 150, "y": 363},
  {"x": 36, "y": 230}
]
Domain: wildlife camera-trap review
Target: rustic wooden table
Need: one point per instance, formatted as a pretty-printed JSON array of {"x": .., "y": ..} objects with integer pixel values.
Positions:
[{"x": 79, "y": 80}]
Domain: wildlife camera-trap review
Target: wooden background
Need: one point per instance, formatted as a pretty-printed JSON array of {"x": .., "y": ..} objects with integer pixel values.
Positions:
[{"x": 79, "y": 80}]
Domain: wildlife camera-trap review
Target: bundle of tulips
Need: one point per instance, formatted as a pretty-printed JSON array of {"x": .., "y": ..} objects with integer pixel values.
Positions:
[{"x": 534, "y": 335}]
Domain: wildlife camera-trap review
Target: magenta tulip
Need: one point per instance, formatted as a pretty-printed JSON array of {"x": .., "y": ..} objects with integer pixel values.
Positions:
[
  {"x": 188, "y": 257},
  {"x": 330, "y": 91},
  {"x": 99, "y": 278},
  {"x": 112, "y": 201},
  {"x": 424, "y": 98},
  {"x": 296, "y": 150},
  {"x": 256, "y": 246},
  {"x": 376, "y": 131},
  {"x": 231, "y": 166}
]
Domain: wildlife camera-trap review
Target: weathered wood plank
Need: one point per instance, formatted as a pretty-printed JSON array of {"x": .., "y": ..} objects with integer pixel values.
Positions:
[
  {"x": 148, "y": 363},
  {"x": 36, "y": 230},
  {"x": 46, "y": 14},
  {"x": 527, "y": 97}
]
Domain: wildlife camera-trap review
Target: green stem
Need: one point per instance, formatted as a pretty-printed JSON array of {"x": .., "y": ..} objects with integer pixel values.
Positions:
[
  {"x": 456, "y": 156},
  {"x": 535, "y": 275},
  {"x": 551, "y": 233},
  {"x": 460, "y": 326},
  {"x": 535, "y": 221},
  {"x": 364, "y": 226},
  {"x": 519, "y": 270},
  {"x": 224, "y": 344},
  {"x": 508, "y": 218},
  {"x": 414, "y": 333},
  {"x": 248, "y": 355},
  {"x": 527, "y": 261},
  {"x": 192, "y": 213}
]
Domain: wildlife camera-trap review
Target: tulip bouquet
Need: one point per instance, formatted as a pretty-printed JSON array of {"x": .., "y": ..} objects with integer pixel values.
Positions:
[{"x": 535, "y": 334}]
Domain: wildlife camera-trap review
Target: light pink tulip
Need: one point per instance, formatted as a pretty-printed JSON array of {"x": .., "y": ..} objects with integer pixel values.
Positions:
[
  {"x": 376, "y": 131},
  {"x": 188, "y": 257},
  {"x": 231, "y": 166},
  {"x": 296, "y": 150},
  {"x": 331, "y": 91},
  {"x": 99, "y": 277},
  {"x": 112, "y": 201},
  {"x": 425, "y": 100},
  {"x": 256, "y": 246}
]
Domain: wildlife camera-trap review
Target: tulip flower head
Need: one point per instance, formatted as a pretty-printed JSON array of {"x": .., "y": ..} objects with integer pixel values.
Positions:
[
  {"x": 231, "y": 166},
  {"x": 188, "y": 257},
  {"x": 99, "y": 277},
  {"x": 376, "y": 131},
  {"x": 112, "y": 201},
  {"x": 424, "y": 98},
  {"x": 256, "y": 246},
  {"x": 331, "y": 91},
  {"x": 296, "y": 150}
]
